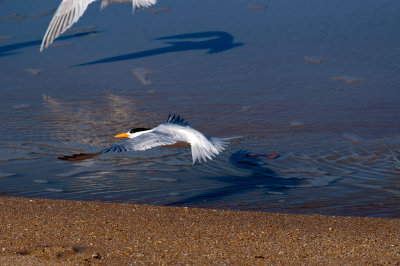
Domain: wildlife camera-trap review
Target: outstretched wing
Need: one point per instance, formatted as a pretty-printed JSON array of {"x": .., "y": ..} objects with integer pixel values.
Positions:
[
  {"x": 142, "y": 142},
  {"x": 142, "y": 3},
  {"x": 135, "y": 3},
  {"x": 66, "y": 15}
]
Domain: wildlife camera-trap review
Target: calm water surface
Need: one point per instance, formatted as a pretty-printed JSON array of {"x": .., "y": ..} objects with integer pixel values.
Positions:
[{"x": 315, "y": 82}]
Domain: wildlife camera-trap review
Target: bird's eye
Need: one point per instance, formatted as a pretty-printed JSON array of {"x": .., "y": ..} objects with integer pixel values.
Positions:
[{"x": 132, "y": 131}]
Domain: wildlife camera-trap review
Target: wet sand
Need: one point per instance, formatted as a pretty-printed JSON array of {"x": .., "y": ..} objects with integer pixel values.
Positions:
[{"x": 48, "y": 232}]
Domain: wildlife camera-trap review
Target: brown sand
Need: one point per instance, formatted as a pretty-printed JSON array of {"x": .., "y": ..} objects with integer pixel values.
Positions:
[{"x": 49, "y": 232}]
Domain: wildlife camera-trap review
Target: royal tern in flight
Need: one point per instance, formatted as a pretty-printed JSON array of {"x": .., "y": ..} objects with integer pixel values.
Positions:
[
  {"x": 70, "y": 11},
  {"x": 175, "y": 130}
]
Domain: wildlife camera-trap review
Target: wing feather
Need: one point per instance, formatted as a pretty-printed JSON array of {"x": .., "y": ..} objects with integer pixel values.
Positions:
[
  {"x": 177, "y": 119},
  {"x": 142, "y": 142},
  {"x": 203, "y": 147},
  {"x": 67, "y": 14},
  {"x": 142, "y": 3}
]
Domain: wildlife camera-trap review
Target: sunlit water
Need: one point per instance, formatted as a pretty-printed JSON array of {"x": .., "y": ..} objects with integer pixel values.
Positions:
[{"x": 316, "y": 82}]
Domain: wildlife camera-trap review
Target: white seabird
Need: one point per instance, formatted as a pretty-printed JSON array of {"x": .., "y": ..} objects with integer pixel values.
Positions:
[
  {"x": 171, "y": 132},
  {"x": 69, "y": 12}
]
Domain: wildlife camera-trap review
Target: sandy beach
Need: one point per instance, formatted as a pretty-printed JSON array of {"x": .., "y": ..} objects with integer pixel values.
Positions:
[{"x": 49, "y": 232}]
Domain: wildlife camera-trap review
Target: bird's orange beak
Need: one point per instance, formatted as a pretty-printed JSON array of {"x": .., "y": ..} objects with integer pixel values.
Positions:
[{"x": 122, "y": 135}]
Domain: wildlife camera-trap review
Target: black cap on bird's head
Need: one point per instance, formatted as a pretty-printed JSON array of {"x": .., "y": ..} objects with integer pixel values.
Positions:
[
  {"x": 138, "y": 129},
  {"x": 131, "y": 132}
]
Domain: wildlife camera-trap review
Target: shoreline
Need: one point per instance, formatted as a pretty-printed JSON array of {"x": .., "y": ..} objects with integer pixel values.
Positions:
[{"x": 48, "y": 232}]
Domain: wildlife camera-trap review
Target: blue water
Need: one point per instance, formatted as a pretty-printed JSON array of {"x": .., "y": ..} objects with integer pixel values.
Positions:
[{"x": 315, "y": 82}]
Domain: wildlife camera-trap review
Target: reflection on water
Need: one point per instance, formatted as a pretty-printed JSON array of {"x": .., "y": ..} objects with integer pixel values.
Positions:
[
  {"x": 6, "y": 37},
  {"x": 254, "y": 7},
  {"x": 316, "y": 83},
  {"x": 349, "y": 80},
  {"x": 316, "y": 60},
  {"x": 143, "y": 75},
  {"x": 35, "y": 71},
  {"x": 87, "y": 122}
]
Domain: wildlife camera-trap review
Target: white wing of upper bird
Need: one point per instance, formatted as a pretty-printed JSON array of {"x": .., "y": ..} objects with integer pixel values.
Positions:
[{"x": 69, "y": 12}]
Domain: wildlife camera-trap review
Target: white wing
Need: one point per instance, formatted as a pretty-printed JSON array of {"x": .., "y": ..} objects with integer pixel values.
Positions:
[
  {"x": 206, "y": 148},
  {"x": 203, "y": 147},
  {"x": 142, "y": 3},
  {"x": 135, "y": 3},
  {"x": 142, "y": 142},
  {"x": 66, "y": 15}
]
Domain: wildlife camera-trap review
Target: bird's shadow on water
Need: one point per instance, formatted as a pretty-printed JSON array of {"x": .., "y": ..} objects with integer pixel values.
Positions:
[
  {"x": 216, "y": 41},
  {"x": 261, "y": 177},
  {"x": 11, "y": 49}
]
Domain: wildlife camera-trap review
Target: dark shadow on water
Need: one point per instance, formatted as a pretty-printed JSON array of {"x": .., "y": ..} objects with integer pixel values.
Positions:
[
  {"x": 220, "y": 41},
  {"x": 261, "y": 177},
  {"x": 10, "y": 48}
]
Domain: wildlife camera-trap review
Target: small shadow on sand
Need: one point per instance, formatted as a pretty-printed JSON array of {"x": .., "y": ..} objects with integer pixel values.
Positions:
[
  {"x": 261, "y": 177},
  {"x": 10, "y": 49},
  {"x": 220, "y": 41}
]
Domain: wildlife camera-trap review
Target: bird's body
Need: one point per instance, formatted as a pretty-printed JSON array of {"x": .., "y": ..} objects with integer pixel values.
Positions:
[
  {"x": 69, "y": 12},
  {"x": 175, "y": 130}
]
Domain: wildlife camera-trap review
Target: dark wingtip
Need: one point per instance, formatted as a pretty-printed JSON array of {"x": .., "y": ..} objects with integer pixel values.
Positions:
[
  {"x": 177, "y": 119},
  {"x": 79, "y": 156}
]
